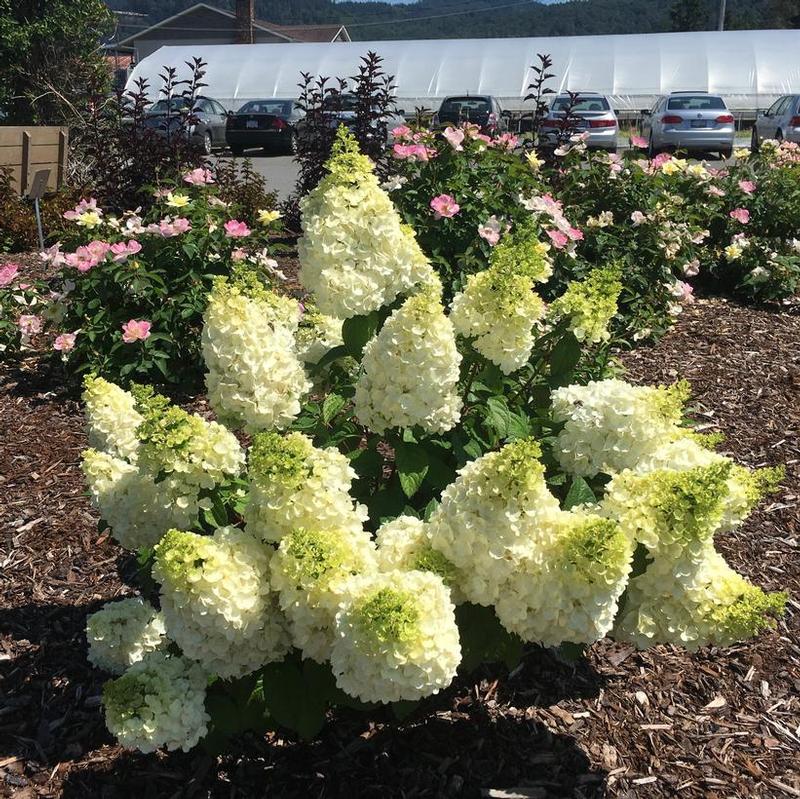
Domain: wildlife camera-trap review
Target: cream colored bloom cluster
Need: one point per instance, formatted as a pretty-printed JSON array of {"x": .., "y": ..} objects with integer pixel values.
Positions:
[
  {"x": 217, "y": 601},
  {"x": 687, "y": 594},
  {"x": 310, "y": 571},
  {"x": 317, "y": 335},
  {"x": 570, "y": 591},
  {"x": 396, "y": 637},
  {"x": 255, "y": 378},
  {"x": 294, "y": 484},
  {"x": 410, "y": 369},
  {"x": 610, "y": 425},
  {"x": 159, "y": 701},
  {"x": 496, "y": 512},
  {"x": 404, "y": 545},
  {"x": 355, "y": 253},
  {"x": 121, "y": 633},
  {"x": 498, "y": 308},
  {"x": 138, "y": 509},
  {"x": 111, "y": 418},
  {"x": 199, "y": 453},
  {"x": 589, "y": 305}
]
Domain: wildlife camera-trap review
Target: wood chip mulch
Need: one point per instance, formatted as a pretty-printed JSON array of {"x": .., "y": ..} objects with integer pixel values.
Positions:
[{"x": 719, "y": 723}]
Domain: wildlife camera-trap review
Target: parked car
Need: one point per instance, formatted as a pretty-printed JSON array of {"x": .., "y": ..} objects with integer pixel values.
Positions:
[
  {"x": 692, "y": 121},
  {"x": 207, "y": 120},
  {"x": 269, "y": 124},
  {"x": 341, "y": 110},
  {"x": 479, "y": 109},
  {"x": 780, "y": 121},
  {"x": 591, "y": 114}
]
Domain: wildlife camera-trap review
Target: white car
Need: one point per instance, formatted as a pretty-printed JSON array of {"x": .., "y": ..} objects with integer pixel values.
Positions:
[
  {"x": 590, "y": 113},
  {"x": 780, "y": 121}
]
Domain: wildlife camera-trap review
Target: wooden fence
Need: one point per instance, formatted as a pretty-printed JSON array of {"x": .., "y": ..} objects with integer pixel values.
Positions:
[{"x": 29, "y": 149}]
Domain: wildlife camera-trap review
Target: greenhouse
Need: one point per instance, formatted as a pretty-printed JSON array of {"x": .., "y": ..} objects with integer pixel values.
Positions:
[{"x": 749, "y": 68}]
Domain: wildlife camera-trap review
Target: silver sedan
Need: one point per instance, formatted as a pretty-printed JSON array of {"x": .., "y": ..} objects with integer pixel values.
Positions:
[
  {"x": 780, "y": 121},
  {"x": 692, "y": 121},
  {"x": 589, "y": 113}
]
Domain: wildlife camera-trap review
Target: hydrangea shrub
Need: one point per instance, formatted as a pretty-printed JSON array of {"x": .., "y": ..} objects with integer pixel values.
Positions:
[{"x": 432, "y": 505}]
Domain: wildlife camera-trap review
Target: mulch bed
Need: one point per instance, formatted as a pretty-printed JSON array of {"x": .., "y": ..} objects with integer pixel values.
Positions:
[{"x": 717, "y": 723}]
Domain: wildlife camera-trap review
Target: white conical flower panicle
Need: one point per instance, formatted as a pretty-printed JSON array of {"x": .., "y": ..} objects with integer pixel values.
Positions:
[
  {"x": 159, "y": 701},
  {"x": 294, "y": 484},
  {"x": 410, "y": 369},
  {"x": 497, "y": 512},
  {"x": 138, "y": 509},
  {"x": 317, "y": 335},
  {"x": 255, "y": 378},
  {"x": 396, "y": 637},
  {"x": 111, "y": 418},
  {"x": 217, "y": 601},
  {"x": 610, "y": 425},
  {"x": 309, "y": 571},
  {"x": 568, "y": 591},
  {"x": 687, "y": 594},
  {"x": 498, "y": 308},
  {"x": 355, "y": 253},
  {"x": 121, "y": 633}
]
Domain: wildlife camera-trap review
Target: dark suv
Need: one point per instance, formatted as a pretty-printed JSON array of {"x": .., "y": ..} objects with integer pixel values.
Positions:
[{"x": 479, "y": 109}]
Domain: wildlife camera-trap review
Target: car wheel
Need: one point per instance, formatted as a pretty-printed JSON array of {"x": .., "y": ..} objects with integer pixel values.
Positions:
[
  {"x": 754, "y": 141},
  {"x": 779, "y": 135},
  {"x": 652, "y": 150},
  {"x": 208, "y": 144},
  {"x": 726, "y": 153}
]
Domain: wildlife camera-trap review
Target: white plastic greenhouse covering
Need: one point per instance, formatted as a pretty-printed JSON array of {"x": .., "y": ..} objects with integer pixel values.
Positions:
[{"x": 749, "y": 68}]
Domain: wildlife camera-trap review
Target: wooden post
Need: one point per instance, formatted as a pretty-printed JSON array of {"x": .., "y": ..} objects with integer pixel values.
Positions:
[
  {"x": 26, "y": 162},
  {"x": 62, "y": 157}
]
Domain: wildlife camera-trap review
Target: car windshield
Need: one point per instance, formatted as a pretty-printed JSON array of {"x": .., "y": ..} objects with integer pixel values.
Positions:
[
  {"x": 696, "y": 102},
  {"x": 175, "y": 104},
  {"x": 581, "y": 104},
  {"x": 276, "y": 107},
  {"x": 340, "y": 102},
  {"x": 466, "y": 106}
]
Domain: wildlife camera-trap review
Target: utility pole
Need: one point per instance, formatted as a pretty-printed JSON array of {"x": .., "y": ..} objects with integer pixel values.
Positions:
[{"x": 721, "y": 25}]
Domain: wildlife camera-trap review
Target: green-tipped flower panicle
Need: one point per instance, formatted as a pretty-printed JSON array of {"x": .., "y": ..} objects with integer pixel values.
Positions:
[
  {"x": 217, "y": 600},
  {"x": 589, "y": 305},
  {"x": 295, "y": 484},
  {"x": 496, "y": 513},
  {"x": 410, "y": 369},
  {"x": 396, "y": 637},
  {"x": 355, "y": 253},
  {"x": 255, "y": 378},
  {"x": 158, "y": 702}
]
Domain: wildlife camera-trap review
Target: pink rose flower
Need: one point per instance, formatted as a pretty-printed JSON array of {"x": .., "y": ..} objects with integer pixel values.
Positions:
[
  {"x": 740, "y": 215},
  {"x": 123, "y": 250},
  {"x": 135, "y": 330},
  {"x": 444, "y": 206},
  {"x": 660, "y": 160},
  {"x": 236, "y": 230},
  {"x": 65, "y": 342},
  {"x": 199, "y": 177},
  {"x": 81, "y": 208},
  {"x": 747, "y": 186},
  {"x": 639, "y": 142},
  {"x": 505, "y": 141},
  {"x": 54, "y": 256},
  {"x": 575, "y": 234},
  {"x": 687, "y": 292},
  {"x": 637, "y": 217},
  {"x": 29, "y": 325},
  {"x": 181, "y": 225},
  {"x": 238, "y": 254},
  {"x": 715, "y": 191},
  {"x": 401, "y": 132},
  {"x": 98, "y": 249},
  {"x": 455, "y": 137},
  {"x": 490, "y": 230},
  {"x": 7, "y": 273},
  {"x": 558, "y": 239},
  {"x": 86, "y": 258}
]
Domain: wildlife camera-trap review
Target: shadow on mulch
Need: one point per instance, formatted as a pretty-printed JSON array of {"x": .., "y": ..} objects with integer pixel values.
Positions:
[{"x": 455, "y": 754}]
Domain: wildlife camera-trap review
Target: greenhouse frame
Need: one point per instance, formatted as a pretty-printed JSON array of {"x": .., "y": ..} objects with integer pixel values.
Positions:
[{"x": 749, "y": 68}]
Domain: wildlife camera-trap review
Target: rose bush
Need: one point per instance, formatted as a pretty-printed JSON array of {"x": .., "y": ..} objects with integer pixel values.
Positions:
[
  {"x": 434, "y": 503},
  {"x": 132, "y": 289}
]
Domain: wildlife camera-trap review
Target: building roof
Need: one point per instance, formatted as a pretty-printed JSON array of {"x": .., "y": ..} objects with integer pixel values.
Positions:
[{"x": 289, "y": 33}]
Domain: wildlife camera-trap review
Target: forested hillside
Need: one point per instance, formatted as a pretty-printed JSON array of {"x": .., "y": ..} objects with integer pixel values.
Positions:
[{"x": 482, "y": 18}]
